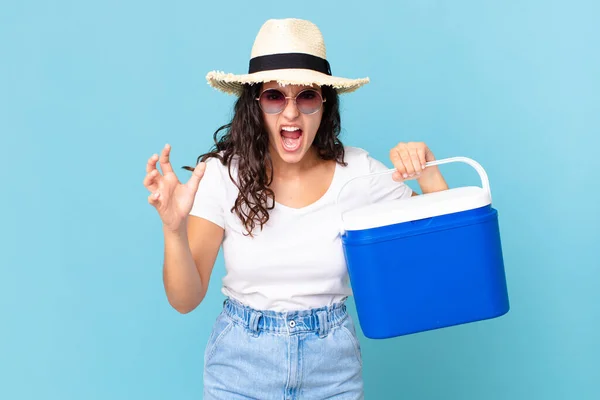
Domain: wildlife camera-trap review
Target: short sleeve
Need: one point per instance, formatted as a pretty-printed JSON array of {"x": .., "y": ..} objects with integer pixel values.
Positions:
[
  {"x": 209, "y": 201},
  {"x": 383, "y": 187}
]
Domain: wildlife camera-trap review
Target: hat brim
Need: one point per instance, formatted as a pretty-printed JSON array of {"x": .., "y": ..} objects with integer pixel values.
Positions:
[{"x": 233, "y": 84}]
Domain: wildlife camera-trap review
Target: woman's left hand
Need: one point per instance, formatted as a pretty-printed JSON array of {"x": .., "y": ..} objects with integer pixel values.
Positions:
[{"x": 409, "y": 159}]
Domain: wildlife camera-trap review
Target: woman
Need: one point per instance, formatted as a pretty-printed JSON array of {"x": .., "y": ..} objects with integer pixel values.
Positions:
[{"x": 267, "y": 194}]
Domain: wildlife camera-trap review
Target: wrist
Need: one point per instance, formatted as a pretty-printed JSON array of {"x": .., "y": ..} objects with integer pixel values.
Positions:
[
  {"x": 179, "y": 231},
  {"x": 431, "y": 180}
]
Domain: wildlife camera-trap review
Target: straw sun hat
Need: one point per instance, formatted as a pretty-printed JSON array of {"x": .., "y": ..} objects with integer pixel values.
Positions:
[{"x": 289, "y": 51}]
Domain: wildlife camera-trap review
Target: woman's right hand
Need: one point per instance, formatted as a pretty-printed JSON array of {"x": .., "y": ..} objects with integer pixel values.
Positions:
[{"x": 172, "y": 199}]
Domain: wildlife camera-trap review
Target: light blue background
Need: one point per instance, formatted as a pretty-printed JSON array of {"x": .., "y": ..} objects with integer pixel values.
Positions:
[{"x": 89, "y": 90}]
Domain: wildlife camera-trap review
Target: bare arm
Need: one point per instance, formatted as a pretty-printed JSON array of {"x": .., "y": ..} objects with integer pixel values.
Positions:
[
  {"x": 190, "y": 254},
  {"x": 191, "y": 243},
  {"x": 432, "y": 182}
]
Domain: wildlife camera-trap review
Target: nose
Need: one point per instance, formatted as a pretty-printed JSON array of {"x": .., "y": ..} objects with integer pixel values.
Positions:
[{"x": 290, "y": 111}]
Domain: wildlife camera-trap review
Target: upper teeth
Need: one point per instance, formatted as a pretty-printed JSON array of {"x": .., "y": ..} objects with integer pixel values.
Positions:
[{"x": 290, "y": 128}]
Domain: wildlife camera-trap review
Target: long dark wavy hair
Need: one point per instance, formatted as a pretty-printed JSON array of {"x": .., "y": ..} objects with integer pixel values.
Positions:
[{"x": 245, "y": 137}]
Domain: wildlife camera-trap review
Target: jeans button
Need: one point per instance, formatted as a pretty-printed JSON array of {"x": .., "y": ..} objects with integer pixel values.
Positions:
[{"x": 292, "y": 324}]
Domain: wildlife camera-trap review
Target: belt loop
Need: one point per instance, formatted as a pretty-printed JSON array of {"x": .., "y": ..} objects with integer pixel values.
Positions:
[
  {"x": 253, "y": 323},
  {"x": 323, "y": 328}
]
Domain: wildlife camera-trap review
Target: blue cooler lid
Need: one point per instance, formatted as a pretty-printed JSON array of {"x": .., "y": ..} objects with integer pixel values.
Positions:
[{"x": 419, "y": 207}]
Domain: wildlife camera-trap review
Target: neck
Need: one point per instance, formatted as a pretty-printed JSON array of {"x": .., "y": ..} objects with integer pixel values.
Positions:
[{"x": 282, "y": 169}]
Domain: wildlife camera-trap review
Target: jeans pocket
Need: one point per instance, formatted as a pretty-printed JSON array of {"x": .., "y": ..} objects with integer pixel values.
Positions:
[
  {"x": 222, "y": 326},
  {"x": 348, "y": 328}
]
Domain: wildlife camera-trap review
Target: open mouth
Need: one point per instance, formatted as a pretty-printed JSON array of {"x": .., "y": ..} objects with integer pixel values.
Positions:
[{"x": 291, "y": 138}]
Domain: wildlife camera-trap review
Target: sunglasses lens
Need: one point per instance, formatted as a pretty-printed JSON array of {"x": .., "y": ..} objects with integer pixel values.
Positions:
[
  {"x": 272, "y": 101},
  {"x": 309, "y": 101}
]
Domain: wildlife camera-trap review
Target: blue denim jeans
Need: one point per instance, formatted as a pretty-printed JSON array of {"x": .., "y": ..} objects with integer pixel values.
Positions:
[{"x": 311, "y": 354}]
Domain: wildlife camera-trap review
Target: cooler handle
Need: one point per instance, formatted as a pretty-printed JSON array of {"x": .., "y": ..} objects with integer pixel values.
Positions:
[{"x": 482, "y": 175}]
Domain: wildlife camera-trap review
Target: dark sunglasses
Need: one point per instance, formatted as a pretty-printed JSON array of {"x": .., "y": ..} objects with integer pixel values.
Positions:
[{"x": 272, "y": 101}]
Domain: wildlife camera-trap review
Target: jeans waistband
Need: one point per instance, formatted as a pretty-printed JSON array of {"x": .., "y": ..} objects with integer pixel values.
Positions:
[{"x": 319, "y": 320}]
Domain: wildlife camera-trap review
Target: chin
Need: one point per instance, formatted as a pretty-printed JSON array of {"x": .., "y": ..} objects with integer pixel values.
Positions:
[{"x": 291, "y": 157}]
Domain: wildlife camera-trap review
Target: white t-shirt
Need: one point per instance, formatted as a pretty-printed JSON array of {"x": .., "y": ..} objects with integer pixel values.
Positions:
[{"x": 296, "y": 261}]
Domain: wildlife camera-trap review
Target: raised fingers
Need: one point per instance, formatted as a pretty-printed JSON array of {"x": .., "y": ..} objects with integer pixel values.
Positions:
[
  {"x": 151, "y": 165},
  {"x": 165, "y": 164},
  {"x": 153, "y": 198},
  {"x": 197, "y": 175},
  {"x": 151, "y": 180}
]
